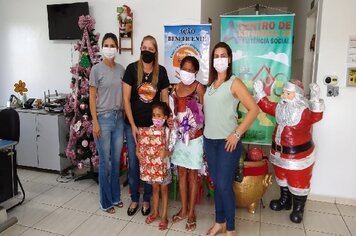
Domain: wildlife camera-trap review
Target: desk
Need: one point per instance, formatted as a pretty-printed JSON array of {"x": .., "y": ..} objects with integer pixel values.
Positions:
[{"x": 7, "y": 144}]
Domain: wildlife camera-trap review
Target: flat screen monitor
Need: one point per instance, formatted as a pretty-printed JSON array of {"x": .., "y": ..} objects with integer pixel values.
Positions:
[{"x": 63, "y": 20}]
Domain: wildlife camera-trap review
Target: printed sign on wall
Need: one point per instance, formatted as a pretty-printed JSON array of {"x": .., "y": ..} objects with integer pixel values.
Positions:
[
  {"x": 262, "y": 50},
  {"x": 187, "y": 40}
]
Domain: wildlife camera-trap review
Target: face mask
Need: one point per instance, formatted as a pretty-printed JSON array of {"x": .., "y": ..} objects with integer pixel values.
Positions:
[
  {"x": 147, "y": 56},
  {"x": 187, "y": 77},
  {"x": 158, "y": 122},
  {"x": 221, "y": 64},
  {"x": 109, "y": 53}
]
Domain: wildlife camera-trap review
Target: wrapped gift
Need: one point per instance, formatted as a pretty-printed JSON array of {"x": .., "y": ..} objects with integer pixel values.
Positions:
[{"x": 151, "y": 141}]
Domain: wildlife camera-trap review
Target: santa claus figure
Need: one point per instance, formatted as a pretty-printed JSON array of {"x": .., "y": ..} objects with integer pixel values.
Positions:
[{"x": 292, "y": 151}]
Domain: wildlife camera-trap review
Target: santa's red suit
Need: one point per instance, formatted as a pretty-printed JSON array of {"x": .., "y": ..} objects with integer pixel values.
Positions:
[{"x": 292, "y": 152}]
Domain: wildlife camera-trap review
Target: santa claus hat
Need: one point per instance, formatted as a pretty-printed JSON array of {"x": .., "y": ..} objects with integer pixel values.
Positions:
[{"x": 294, "y": 85}]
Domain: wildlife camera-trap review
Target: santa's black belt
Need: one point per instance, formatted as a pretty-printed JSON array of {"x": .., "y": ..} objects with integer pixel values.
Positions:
[{"x": 292, "y": 150}]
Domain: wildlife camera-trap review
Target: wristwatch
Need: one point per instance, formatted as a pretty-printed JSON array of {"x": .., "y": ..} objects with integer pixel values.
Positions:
[{"x": 237, "y": 135}]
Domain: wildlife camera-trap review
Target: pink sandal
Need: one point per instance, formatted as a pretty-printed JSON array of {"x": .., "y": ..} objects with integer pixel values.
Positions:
[
  {"x": 150, "y": 219},
  {"x": 163, "y": 225}
]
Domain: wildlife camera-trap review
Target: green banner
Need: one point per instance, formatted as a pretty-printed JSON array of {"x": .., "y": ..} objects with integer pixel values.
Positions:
[{"x": 262, "y": 50}]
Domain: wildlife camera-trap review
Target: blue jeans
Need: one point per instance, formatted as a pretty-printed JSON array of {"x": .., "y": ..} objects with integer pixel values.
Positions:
[
  {"x": 222, "y": 167},
  {"x": 109, "y": 146},
  {"x": 134, "y": 169}
]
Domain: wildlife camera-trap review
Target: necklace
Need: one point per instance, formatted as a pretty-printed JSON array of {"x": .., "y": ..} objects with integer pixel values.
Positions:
[
  {"x": 147, "y": 75},
  {"x": 212, "y": 89}
]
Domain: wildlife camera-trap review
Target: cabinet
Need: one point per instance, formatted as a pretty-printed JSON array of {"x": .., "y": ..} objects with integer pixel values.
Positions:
[{"x": 42, "y": 140}]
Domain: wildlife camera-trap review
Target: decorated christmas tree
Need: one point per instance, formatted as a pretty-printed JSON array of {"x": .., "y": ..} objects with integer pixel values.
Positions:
[{"x": 81, "y": 144}]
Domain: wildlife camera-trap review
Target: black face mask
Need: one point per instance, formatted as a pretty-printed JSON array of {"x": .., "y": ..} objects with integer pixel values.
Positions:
[{"x": 147, "y": 56}]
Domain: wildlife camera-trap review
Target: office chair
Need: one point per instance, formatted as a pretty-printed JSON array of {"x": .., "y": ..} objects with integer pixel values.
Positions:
[
  {"x": 10, "y": 125},
  {"x": 10, "y": 130}
]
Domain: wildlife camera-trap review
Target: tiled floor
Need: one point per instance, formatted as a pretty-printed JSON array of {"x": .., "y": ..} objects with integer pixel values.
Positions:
[{"x": 53, "y": 208}]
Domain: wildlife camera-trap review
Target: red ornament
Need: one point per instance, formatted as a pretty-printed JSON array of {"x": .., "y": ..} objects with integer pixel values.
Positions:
[{"x": 255, "y": 154}]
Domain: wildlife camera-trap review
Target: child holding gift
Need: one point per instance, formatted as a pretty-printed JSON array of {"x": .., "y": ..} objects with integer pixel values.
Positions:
[{"x": 153, "y": 150}]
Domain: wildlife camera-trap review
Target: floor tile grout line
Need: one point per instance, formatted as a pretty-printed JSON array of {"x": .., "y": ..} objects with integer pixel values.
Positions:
[
  {"x": 284, "y": 226},
  {"x": 181, "y": 231},
  {"x": 325, "y": 213},
  {"x": 37, "y": 195},
  {"x": 25, "y": 230},
  {"x": 47, "y": 231},
  {"x": 305, "y": 229},
  {"x": 80, "y": 224},
  {"x": 343, "y": 219},
  {"x": 317, "y": 231},
  {"x": 127, "y": 223},
  {"x": 43, "y": 216}
]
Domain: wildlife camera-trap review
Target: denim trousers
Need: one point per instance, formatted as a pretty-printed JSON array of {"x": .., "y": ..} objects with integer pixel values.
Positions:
[
  {"x": 222, "y": 167},
  {"x": 109, "y": 146},
  {"x": 134, "y": 169}
]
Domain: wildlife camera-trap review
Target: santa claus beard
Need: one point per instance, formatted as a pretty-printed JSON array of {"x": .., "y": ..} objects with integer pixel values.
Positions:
[{"x": 289, "y": 112}]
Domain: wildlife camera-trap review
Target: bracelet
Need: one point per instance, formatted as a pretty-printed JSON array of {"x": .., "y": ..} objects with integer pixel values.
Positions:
[{"x": 237, "y": 135}]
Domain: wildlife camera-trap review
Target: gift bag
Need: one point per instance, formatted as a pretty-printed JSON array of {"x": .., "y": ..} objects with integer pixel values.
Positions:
[{"x": 151, "y": 141}]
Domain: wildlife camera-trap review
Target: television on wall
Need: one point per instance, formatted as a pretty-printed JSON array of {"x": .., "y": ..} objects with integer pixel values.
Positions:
[{"x": 63, "y": 20}]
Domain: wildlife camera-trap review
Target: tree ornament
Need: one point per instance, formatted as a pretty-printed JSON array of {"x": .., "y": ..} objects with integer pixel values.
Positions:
[
  {"x": 85, "y": 117},
  {"x": 84, "y": 61},
  {"x": 85, "y": 143},
  {"x": 80, "y": 151},
  {"x": 80, "y": 165}
]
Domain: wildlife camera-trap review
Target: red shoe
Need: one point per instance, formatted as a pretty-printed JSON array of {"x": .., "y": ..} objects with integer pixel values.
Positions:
[
  {"x": 163, "y": 225},
  {"x": 150, "y": 219}
]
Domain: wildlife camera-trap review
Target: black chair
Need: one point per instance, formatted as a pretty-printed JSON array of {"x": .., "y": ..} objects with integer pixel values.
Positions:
[
  {"x": 9, "y": 130},
  {"x": 9, "y": 125}
]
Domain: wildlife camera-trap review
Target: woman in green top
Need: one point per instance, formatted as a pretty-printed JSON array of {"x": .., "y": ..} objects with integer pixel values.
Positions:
[{"x": 222, "y": 135}]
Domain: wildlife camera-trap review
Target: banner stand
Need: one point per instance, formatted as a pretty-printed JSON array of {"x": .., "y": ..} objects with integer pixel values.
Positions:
[{"x": 262, "y": 50}]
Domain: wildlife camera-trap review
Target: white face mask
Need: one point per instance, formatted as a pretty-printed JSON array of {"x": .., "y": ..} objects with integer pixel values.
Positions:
[
  {"x": 221, "y": 64},
  {"x": 109, "y": 53},
  {"x": 186, "y": 77}
]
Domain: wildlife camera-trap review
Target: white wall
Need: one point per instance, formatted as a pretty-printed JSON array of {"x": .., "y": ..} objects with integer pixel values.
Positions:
[
  {"x": 28, "y": 54},
  {"x": 334, "y": 176},
  {"x": 213, "y": 9}
]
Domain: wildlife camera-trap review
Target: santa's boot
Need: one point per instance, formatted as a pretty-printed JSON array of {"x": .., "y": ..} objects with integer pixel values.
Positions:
[
  {"x": 298, "y": 208},
  {"x": 284, "y": 202}
]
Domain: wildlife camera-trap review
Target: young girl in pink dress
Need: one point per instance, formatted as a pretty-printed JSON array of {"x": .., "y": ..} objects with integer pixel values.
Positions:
[{"x": 154, "y": 157}]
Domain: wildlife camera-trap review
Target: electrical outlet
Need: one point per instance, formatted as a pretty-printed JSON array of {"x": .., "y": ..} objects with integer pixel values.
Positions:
[{"x": 332, "y": 91}]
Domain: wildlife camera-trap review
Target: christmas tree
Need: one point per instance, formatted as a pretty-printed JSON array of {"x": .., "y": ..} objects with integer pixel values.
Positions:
[{"x": 77, "y": 113}]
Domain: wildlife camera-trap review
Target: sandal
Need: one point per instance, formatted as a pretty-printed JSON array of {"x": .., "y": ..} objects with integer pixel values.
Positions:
[
  {"x": 221, "y": 230},
  {"x": 176, "y": 218},
  {"x": 163, "y": 225},
  {"x": 150, "y": 219},
  {"x": 120, "y": 205},
  {"x": 191, "y": 226},
  {"x": 111, "y": 210}
]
